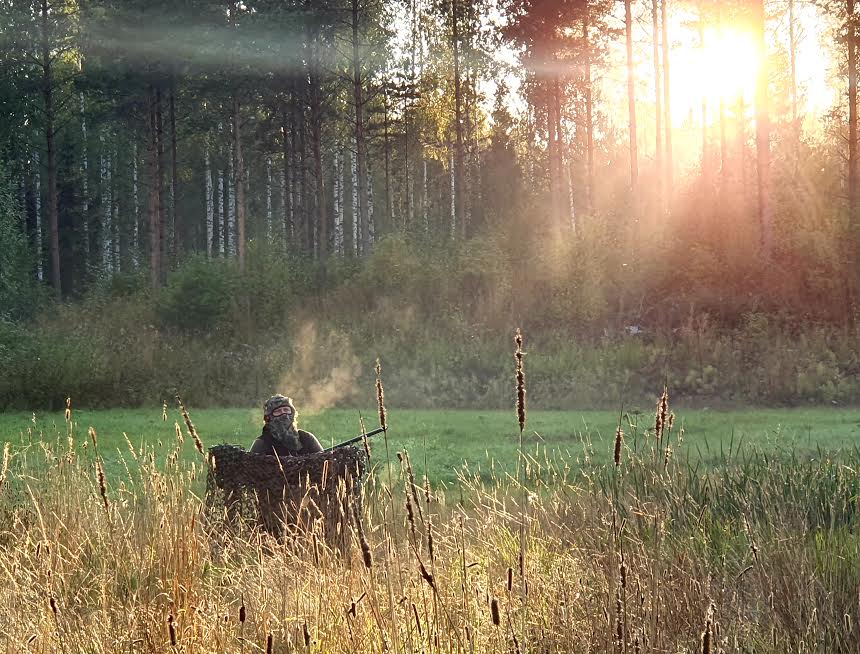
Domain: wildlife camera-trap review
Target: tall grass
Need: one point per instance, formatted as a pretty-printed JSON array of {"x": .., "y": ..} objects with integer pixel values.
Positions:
[{"x": 632, "y": 553}]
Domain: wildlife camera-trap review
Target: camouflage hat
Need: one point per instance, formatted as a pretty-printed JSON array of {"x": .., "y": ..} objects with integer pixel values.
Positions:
[{"x": 276, "y": 402}]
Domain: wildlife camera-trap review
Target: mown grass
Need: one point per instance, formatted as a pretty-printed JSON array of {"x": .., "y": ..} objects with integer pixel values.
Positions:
[{"x": 444, "y": 440}]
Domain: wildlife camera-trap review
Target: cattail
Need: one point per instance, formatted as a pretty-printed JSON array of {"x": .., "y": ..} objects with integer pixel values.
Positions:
[
  {"x": 242, "y": 613},
  {"x": 270, "y": 642},
  {"x": 622, "y": 569},
  {"x": 94, "y": 437},
  {"x": 494, "y": 611},
  {"x": 671, "y": 422},
  {"x": 619, "y": 621},
  {"x": 68, "y": 409},
  {"x": 521, "y": 380},
  {"x": 667, "y": 457},
  {"x": 307, "y": 634},
  {"x": 4, "y": 469},
  {"x": 179, "y": 437},
  {"x": 510, "y": 578},
  {"x": 706, "y": 638},
  {"x": 380, "y": 398},
  {"x": 417, "y": 619},
  {"x": 413, "y": 486},
  {"x": 426, "y": 575},
  {"x": 662, "y": 416},
  {"x": 53, "y": 602},
  {"x": 619, "y": 439},
  {"x": 171, "y": 628},
  {"x": 366, "y": 555},
  {"x": 164, "y": 411},
  {"x": 190, "y": 426},
  {"x": 102, "y": 484},
  {"x": 410, "y": 515}
]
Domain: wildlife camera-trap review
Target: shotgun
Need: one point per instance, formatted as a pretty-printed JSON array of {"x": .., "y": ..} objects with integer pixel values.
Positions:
[{"x": 358, "y": 438}]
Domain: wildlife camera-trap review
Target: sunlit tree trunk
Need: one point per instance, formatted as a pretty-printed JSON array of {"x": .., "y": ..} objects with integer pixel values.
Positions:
[
  {"x": 51, "y": 160},
  {"x": 763, "y": 138},
  {"x": 589, "y": 118},
  {"x": 631, "y": 95},
  {"x": 459, "y": 189},
  {"x": 658, "y": 104},
  {"x": 706, "y": 163},
  {"x": 360, "y": 142},
  {"x": 287, "y": 138},
  {"x": 851, "y": 44},
  {"x": 792, "y": 53},
  {"x": 667, "y": 100}
]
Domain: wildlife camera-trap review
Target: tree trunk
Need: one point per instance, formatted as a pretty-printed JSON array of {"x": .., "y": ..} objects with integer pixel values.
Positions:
[
  {"x": 658, "y": 104},
  {"x": 667, "y": 101},
  {"x": 154, "y": 217},
  {"x": 631, "y": 95},
  {"x": 135, "y": 234},
  {"x": 360, "y": 144},
  {"x": 48, "y": 99},
  {"x": 589, "y": 116},
  {"x": 321, "y": 240},
  {"x": 37, "y": 192},
  {"x": 85, "y": 192},
  {"x": 706, "y": 164},
  {"x": 792, "y": 53},
  {"x": 239, "y": 182},
  {"x": 459, "y": 161},
  {"x": 162, "y": 241},
  {"x": 210, "y": 218},
  {"x": 852, "y": 113},
  {"x": 762, "y": 139},
  {"x": 174, "y": 181}
]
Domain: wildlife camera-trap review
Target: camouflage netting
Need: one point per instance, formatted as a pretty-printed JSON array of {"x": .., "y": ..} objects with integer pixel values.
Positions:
[{"x": 288, "y": 493}]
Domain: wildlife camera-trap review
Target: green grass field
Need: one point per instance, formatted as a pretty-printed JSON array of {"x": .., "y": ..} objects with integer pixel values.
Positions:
[{"x": 444, "y": 440}]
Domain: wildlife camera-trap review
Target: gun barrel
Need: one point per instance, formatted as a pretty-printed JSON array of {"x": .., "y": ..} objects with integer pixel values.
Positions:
[{"x": 374, "y": 432}]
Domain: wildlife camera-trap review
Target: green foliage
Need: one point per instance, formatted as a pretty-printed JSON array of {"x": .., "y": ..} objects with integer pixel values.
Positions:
[
  {"x": 198, "y": 296},
  {"x": 19, "y": 294}
]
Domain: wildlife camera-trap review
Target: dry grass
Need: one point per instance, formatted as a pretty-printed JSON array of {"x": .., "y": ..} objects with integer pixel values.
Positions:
[{"x": 633, "y": 553}]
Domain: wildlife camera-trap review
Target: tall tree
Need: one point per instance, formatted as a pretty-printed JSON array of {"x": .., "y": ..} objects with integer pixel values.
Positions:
[
  {"x": 631, "y": 94},
  {"x": 765, "y": 211}
]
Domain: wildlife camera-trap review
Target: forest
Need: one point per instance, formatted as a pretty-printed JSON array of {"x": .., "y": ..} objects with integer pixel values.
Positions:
[{"x": 204, "y": 194}]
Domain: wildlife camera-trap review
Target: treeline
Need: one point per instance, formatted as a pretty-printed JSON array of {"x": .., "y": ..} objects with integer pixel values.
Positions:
[{"x": 135, "y": 133}]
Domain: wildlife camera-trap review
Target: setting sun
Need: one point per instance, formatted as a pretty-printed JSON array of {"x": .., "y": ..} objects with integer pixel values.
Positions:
[{"x": 725, "y": 68}]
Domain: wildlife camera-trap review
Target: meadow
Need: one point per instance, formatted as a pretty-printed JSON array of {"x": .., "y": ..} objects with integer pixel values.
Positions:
[
  {"x": 442, "y": 442},
  {"x": 586, "y": 540}
]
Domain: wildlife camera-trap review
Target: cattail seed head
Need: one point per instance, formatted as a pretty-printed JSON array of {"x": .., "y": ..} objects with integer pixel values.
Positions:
[
  {"x": 68, "y": 414},
  {"x": 706, "y": 638},
  {"x": 380, "y": 397},
  {"x": 521, "y": 380},
  {"x": 307, "y": 634},
  {"x": 510, "y": 578},
  {"x": 494, "y": 611},
  {"x": 270, "y": 642},
  {"x": 102, "y": 484},
  {"x": 242, "y": 613},
  {"x": 366, "y": 554},
  {"x": 94, "y": 437},
  {"x": 53, "y": 602},
  {"x": 164, "y": 411},
  {"x": 619, "y": 440},
  {"x": 171, "y": 628}
]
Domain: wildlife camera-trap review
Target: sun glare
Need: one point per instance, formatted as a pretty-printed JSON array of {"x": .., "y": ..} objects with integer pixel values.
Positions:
[{"x": 724, "y": 69}]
